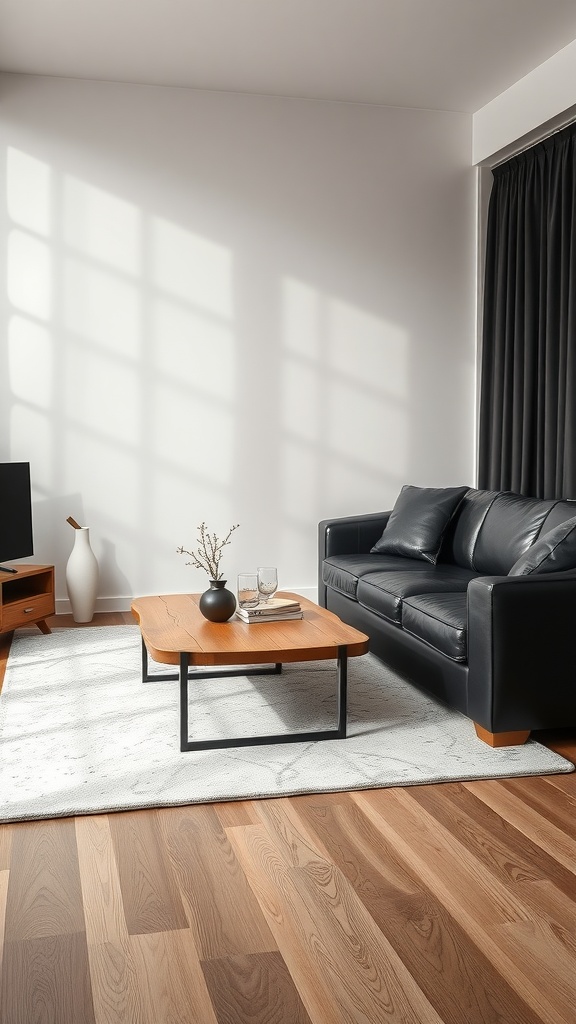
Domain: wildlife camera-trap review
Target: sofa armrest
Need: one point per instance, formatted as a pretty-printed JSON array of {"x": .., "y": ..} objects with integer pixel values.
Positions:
[
  {"x": 522, "y": 650},
  {"x": 349, "y": 535}
]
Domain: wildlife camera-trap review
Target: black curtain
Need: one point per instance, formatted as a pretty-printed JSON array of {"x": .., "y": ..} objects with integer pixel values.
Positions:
[{"x": 527, "y": 433}]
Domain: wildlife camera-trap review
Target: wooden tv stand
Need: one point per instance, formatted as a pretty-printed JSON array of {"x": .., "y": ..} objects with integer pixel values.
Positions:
[{"x": 26, "y": 597}]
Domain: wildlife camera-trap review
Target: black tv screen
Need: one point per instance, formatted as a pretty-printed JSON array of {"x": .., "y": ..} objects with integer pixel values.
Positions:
[{"x": 15, "y": 511}]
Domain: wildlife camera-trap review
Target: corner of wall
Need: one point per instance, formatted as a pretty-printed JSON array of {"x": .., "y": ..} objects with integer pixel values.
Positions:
[{"x": 527, "y": 110}]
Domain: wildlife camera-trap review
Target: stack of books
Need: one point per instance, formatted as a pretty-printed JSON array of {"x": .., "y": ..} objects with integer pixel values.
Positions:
[{"x": 274, "y": 610}]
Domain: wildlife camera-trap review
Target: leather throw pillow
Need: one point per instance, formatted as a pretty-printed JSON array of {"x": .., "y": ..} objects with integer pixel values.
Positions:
[
  {"x": 554, "y": 552},
  {"x": 418, "y": 522}
]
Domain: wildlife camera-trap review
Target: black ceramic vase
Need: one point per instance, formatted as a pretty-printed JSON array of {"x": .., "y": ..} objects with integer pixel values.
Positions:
[{"x": 217, "y": 604}]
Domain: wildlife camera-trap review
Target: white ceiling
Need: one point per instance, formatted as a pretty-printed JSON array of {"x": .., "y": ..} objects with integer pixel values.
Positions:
[{"x": 441, "y": 54}]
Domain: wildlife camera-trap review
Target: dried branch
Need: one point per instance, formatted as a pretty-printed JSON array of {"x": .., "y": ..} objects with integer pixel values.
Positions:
[{"x": 209, "y": 551}]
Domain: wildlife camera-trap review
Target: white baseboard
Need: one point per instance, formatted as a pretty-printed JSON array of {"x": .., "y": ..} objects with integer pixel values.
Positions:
[{"x": 122, "y": 604}]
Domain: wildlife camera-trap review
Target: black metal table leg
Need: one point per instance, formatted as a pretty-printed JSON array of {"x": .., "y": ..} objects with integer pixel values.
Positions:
[
  {"x": 185, "y": 674},
  {"x": 342, "y": 691},
  {"x": 146, "y": 677},
  {"x": 184, "y": 701}
]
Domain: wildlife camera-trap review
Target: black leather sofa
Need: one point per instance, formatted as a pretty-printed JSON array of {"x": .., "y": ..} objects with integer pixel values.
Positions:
[{"x": 485, "y": 621}]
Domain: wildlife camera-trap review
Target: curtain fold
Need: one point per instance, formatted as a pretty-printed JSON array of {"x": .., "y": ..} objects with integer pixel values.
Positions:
[{"x": 527, "y": 430}]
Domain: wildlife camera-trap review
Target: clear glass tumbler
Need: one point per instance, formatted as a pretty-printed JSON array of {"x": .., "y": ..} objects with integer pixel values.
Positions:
[
  {"x": 248, "y": 595},
  {"x": 267, "y": 582}
]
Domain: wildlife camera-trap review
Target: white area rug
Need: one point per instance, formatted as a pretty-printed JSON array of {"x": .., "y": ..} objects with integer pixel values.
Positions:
[{"x": 80, "y": 733}]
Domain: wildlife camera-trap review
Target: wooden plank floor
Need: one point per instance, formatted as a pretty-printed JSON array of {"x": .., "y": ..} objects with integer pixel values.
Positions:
[{"x": 441, "y": 904}]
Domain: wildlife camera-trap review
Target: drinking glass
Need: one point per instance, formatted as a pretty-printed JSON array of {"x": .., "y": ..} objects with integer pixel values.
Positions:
[
  {"x": 267, "y": 582},
  {"x": 248, "y": 596}
]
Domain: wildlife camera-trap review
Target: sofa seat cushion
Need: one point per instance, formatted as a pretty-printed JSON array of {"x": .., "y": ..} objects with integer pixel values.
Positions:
[
  {"x": 418, "y": 522},
  {"x": 383, "y": 592},
  {"x": 342, "y": 572},
  {"x": 440, "y": 620}
]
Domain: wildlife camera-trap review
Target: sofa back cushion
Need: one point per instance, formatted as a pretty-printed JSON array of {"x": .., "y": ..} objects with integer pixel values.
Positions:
[
  {"x": 554, "y": 552},
  {"x": 559, "y": 513},
  {"x": 462, "y": 534},
  {"x": 510, "y": 526},
  {"x": 418, "y": 522}
]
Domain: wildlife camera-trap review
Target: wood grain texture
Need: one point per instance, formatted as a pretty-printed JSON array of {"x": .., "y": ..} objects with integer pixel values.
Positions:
[
  {"x": 149, "y": 892},
  {"x": 224, "y": 915},
  {"x": 473, "y": 897},
  {"x": 429, "y": 847},
  {"x": 101, "y": 890},
  {"x": 451, "y": 903},
  {"x": 114, "y": 978},
  {"x": 172, "y": 985},
  {"x": 299, "y": 941},
  {"x": 44, "y": 893},
  {"x": 46, "y": 981},
  {"x": 458, "y": 981},
  {"x": 562, "y": 782},
  {"x": 519, "y": 813},
  {"x": 4, "y": 876},
  {"x": 237, "y": 812},
  {"x": 6, "y": 832},
  {"x": 538, "y": 950},
  {"x": 349, "y": 968},
  {"x": 489, "y": 838},
  {"x": 255, "y": 989},
  {"x": 536, "y": 793}
]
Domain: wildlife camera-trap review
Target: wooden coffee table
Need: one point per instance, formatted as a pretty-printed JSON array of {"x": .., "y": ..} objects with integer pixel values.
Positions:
[{"x": 174, "y": 632}]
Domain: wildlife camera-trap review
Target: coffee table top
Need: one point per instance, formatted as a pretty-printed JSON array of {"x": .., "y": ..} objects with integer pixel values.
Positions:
[{"x": 173, "y": 624}]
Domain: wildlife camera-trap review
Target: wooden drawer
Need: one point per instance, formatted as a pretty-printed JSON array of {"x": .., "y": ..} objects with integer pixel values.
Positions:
[{"x": 18, "y": 613}]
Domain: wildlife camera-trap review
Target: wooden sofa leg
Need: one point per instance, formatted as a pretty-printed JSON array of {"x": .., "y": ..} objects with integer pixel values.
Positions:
[{"x": 501, "y": 739}]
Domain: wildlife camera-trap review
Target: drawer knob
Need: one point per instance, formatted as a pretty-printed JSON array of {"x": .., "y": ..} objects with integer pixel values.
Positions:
[{"x": 28, "y": 610}]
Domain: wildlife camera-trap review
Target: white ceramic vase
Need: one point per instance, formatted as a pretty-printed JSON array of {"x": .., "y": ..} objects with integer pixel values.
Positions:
[{"x": 82, "y": 577}]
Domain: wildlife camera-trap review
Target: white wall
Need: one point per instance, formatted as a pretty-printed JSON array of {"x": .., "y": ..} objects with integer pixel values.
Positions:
[
  {"x": 540, "y": 98},
  {"x": 228, "y": 308}
]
